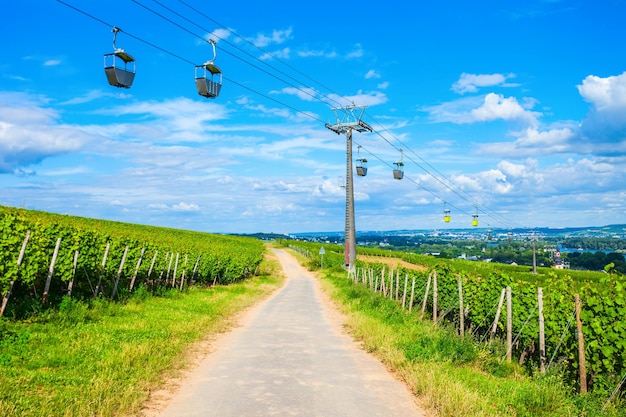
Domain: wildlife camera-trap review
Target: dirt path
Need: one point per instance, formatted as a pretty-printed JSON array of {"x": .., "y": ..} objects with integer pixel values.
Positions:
[{"x": 290, "y": 357}]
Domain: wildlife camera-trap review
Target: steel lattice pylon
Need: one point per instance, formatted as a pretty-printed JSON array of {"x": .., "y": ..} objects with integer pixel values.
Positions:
[{"x": 348, "y": 120}]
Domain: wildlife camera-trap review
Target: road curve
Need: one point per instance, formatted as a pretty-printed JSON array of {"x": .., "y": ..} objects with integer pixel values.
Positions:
[{"x": 290, "y": 358}]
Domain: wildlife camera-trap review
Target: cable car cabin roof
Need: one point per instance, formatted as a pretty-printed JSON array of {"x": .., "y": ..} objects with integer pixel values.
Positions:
[
  {"x": 211, "y": 67},
  {"x": 123, "y": 55}
]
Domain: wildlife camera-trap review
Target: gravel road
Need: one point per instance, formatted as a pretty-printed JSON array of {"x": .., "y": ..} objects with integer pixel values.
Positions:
[{"x": 290, "y": 357}]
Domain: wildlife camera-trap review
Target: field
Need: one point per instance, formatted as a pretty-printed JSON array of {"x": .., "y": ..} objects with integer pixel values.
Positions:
[{"x": 477, "y": 288}]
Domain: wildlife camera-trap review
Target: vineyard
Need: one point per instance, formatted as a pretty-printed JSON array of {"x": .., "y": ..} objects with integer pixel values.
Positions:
[
  {"x": 45, "y": 257},
  {"x": 543, "y": 321}
]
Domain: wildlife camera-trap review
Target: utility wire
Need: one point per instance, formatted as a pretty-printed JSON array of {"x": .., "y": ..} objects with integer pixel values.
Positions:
[
  {"x": 308, "y": 114},
  {"x": 225, "y": 41},
  {"x": 449, "y": 185},
  {"x": 264, "y": 51}
]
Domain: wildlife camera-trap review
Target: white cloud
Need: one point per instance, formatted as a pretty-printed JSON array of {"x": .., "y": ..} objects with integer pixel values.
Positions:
[
  {"x": 356, "y": 53},
  {"x": 533, "y": 142},
  {"x": 496, "y": 106},
  {"x": 281, "y": 54},
  {"x": 52, "y": 62},
  {"x": 470, "y": 83},
  {"x": 219, "y": 34},
  {"x": 371, "y": 74},
  {"x": 277, "y": 37},
  {"x": 179, "y": 207},
  {"x": 31, "y": 132},
  {"x": 303, "y": 93},
  {"x": 605, "y": 124},
  {"x": 316, "y": 53},
  {"x": 365, "y": 99},
  {"x": 94, "y": 95},
  {"x": 484, "y": 109},
  {"x": 605, "y": 94},
  {"x": 182, "y": 206}
]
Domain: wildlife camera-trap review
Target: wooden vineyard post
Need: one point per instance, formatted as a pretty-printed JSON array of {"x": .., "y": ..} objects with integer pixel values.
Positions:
[
  {"x": 154, "y": 258},
  {"x": 412, "y": 294},
  {"x": 582, "y": 364},
  {"x": 119, "y": 273},
  {"x": 430, "y": 277},
  {"x": 132, "y": 280},
  {"x": 74, "y": 265},
  {"x": 542, "y": 332},
  {"x": 371, "y": 276},
  {"x": 195, "y": 269},
  {"x": 383, "y": 290},
  {"x": 51, "y": 271},
  {"x": 397, "y": 283},
  {"x": 390, "y": 284},
  {"x": 509, "y": 324},
  {"x": 5, "y": 298},
  {"x": 406, "y": 283},
  {"x": 169, "y": 266},
  {"x": 158, "y": 283},
  {"x": 376, "y": 284},
  {"x": 175, "y": 270},
  {"x": 435, "y": 293},
  {"x": 182, "y": 277},
  {"x": 461, "y": 309},
  {"x": 104, "y": 261},
  {"x": 494, "y": 327}
]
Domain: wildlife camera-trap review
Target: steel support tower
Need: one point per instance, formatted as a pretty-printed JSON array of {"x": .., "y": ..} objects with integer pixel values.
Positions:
[{"x": 347, "y": 121}]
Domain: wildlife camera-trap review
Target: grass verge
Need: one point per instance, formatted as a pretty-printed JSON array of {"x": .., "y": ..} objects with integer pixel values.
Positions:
[
  {"x": 453, "y": 376},
  {"x": 103, "y": 359}
]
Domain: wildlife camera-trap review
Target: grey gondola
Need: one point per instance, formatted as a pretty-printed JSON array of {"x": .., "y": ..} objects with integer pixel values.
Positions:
[
  {"x": 398, "y": 172},
  {"x": 361, "y": 167},
  {"x": 119, "y": 65},
  {"x": 208, "y": 80},
  {"x": 120, "y": 69},
  {"x": 209, "y": 77}
]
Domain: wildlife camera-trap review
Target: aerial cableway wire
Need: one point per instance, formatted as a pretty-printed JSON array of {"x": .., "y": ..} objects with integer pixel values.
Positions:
[
  {"x": 224, "y": 50},
  {"x": 308, "y": 114},
  {"x": 267, "y": 53},
  {"x": 449, "y": 184}
]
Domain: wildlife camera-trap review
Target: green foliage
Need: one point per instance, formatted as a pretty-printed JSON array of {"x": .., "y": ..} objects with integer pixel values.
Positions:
[
  {"x": 198, "y": 258},
  {"x": 457, "y": 376},
  {"x": 603, "y": 295},
  {"x": 96, "y": 357}
]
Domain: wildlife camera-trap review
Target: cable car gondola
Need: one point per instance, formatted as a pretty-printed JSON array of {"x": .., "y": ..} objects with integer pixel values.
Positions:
[
  {"x": 119, "y": 66},
  {"x": 209, "y": 77},
  {"x": 474, "y": 220},
  {"x": 398, "y": 171},
  {"x": 446, "y": 215},
  {"x": 361, "y": 167}
]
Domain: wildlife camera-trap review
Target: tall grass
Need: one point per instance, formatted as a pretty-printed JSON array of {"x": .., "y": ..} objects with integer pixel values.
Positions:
[
  {"x": 455, "y": 376},
  {"x": 103, "y": 359}
]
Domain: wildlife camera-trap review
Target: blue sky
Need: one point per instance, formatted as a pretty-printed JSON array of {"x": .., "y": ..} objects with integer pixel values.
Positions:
[{"x": 515, "y": 111}]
